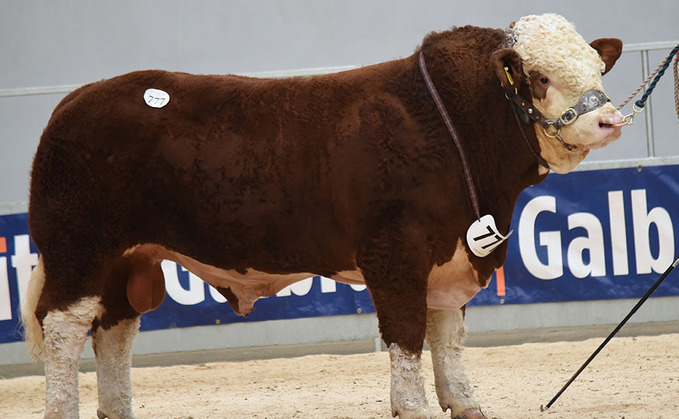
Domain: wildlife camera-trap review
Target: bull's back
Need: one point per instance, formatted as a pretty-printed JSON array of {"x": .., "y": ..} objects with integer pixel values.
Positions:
[{"x": 228, "y": 163}]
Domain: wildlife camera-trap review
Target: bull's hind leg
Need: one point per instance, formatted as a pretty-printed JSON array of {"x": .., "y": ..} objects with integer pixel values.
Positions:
[
  {"x": 57, "y": 314},
  {"x": 113, "y": 351},
  {"x": 445, "y": 336},
  {"x": 134, "y": 284},
  {"x": 65, "y": 332}
]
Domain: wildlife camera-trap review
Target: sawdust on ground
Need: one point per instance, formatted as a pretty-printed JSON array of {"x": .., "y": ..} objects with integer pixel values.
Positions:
[{"x": 631, "y": 378}]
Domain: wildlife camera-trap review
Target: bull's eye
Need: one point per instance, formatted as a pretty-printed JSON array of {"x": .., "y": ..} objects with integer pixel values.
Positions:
[{"x": 544, "y": 80}]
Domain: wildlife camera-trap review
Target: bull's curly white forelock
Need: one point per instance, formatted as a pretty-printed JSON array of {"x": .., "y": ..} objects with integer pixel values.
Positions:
[{"x": 549, "y": 44}]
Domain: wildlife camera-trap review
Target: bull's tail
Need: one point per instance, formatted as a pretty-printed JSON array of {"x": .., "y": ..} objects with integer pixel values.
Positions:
[{"x": 32, "y": 328}]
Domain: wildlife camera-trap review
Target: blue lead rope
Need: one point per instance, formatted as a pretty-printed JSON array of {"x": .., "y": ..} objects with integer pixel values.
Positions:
[{"x": 642, "y": 102}]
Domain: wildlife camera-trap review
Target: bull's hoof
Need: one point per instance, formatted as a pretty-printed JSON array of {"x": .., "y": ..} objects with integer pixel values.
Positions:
[
  {"x": 474, "y": 413},
  {"x": 103, "y": 415},
  {"x": 412, "y": 414}
]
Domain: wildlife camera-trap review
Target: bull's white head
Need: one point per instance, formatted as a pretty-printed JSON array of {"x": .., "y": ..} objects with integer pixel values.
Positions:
[{"x": 563, "y": 72}]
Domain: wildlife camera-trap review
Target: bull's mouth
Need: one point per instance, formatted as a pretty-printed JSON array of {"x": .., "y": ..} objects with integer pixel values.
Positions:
[{"x": 609, "y": 130}]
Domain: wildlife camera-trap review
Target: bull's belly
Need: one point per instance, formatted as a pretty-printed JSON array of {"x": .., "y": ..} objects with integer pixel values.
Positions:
[
  {"x": 450, "y": 285},
  {"x": 246, "y": 287}
]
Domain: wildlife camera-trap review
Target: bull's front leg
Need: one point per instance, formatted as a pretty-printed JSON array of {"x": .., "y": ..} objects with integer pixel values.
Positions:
[
  {"x": 445, "y": 336},
  {"x": 407, "y": 387},
  {"x": 398, "y": 288}
]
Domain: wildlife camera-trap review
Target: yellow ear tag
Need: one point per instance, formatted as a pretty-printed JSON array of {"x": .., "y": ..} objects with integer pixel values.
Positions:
[{"x": 509, "y": 76}]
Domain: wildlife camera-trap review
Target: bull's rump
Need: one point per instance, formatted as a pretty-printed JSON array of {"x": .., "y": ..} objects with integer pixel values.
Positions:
[{"x": 234, "y": 172}]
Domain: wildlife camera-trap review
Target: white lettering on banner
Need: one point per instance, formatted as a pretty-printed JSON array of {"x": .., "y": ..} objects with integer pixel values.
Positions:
[
  {"x": 616, "y": 215},
  {"x": 328, "y": 285},
  {"x": 192, "y": 295},
  {"x": 5, "y": 300},
  {"x": 551, "y": 239},
  {"x": 216, "y": 295},
  {"x": 300, "y": 288},
  {"x": 641, "y": 223},
  {"x": 23, "y": 262},
  {"x": 593, "y": 241}
]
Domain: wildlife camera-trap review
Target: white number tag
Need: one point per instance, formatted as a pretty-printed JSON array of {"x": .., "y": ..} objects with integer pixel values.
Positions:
[
  {"x": 483, "y": 236},
  {"x": 156, "y": 98}
]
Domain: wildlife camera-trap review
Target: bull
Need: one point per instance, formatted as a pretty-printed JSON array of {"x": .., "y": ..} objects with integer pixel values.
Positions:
[{"x": 373, "y": 176}]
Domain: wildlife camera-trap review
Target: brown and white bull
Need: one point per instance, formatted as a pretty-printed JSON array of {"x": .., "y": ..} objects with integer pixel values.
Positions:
[{"x": 253, "y": 184}]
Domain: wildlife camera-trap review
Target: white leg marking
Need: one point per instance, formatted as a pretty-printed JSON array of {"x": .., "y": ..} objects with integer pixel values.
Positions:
[
  {"x": 113, "y": 350},
  {"x": 445, "y": 335},
  {"x": 407, "y": 387},
  {"x": 65, "y": 333}
]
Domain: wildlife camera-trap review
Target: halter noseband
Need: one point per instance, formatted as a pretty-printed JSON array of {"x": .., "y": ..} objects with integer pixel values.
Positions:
[{"x": 589, "y": 101}]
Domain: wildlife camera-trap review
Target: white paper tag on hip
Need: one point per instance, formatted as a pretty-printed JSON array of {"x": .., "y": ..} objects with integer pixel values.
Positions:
[
  {"x": 156, "y": 98},
  {"x": 483, "y": 236}
]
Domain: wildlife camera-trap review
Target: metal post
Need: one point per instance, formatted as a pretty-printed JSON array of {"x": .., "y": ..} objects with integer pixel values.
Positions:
[{"x": 650, "y": 141}]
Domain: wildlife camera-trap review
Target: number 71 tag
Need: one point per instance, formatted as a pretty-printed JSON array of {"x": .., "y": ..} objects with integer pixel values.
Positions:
[{"x": 483, "y": 236}]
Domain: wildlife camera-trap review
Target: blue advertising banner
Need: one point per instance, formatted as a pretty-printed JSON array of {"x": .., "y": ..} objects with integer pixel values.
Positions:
[
  {"x": 604, "y": 234},
  {"x": 592, "y": 235}
]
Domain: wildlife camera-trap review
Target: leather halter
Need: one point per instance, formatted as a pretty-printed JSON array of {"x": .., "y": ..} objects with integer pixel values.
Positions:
[{"x": 589, "y": 101}]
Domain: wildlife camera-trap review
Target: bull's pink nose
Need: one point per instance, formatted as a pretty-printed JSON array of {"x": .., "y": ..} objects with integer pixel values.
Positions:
[
  {"x": 610, "y": 129},
  {"x": 611, "y": 121}
]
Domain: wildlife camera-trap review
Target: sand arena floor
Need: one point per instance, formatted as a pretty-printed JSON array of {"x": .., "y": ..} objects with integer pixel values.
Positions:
[{"x": 632, "y": 377}]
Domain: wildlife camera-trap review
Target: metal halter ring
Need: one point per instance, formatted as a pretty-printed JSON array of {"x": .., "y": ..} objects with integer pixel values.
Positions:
[
  {"x": 557, "y": 135},
  {"x": 556, "y": 132}
]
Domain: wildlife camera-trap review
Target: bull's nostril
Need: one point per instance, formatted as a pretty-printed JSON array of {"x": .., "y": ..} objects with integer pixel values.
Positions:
[{"x": 610, "y": 122}]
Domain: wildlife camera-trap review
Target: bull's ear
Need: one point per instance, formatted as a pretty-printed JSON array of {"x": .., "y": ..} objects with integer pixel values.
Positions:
[
  {"x": 609, "y": 49},
  {"x": 508, "y": 68}
]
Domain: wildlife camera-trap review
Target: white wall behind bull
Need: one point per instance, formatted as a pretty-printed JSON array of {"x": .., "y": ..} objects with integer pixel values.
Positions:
[{"x": 75, "y": 42}]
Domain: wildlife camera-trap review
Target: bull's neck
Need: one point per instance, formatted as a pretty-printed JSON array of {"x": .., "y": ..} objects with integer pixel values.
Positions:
[{"x": 501, "y": 164}]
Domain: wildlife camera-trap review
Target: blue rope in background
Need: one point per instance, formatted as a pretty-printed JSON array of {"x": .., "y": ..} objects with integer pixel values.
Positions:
[{"x": 642, "y": 102}]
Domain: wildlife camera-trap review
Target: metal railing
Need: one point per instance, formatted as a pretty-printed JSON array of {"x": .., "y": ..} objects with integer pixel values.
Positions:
[
  {"x": 68, "y": 88},
  {"x": 651, "y": 159},
  {"x": 643, "y": 49}
]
